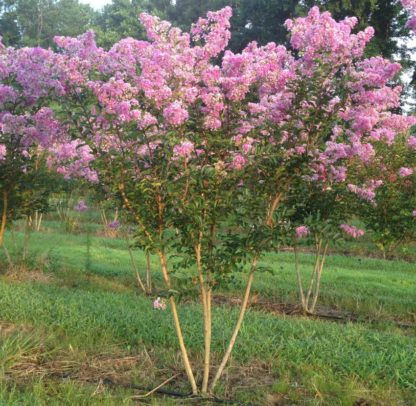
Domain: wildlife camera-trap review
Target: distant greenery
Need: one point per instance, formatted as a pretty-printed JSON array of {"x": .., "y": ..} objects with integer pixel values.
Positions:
[{"x": 36, "y": 22}]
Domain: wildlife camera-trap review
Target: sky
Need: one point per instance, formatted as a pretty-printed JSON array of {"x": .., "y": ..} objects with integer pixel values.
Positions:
[{"x": 96, "y": 4}]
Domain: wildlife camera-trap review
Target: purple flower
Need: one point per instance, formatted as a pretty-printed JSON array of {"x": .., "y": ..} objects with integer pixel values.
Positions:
[
  {"x": 352, "y": 231},
  {"x": 159, "y": 304},
  {"x": 368, "y": 191},
  {"x": 3, "y": 151},
  {"x": 302, "y": 231},
  {"x": 403, "y": 172},
  {"x": 184, "y": 149},
  {"x": 81, "y": 206},
  {"x": 114, "y": 224}
]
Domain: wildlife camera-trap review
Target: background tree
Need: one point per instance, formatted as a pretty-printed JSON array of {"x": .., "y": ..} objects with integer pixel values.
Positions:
[
  {"x": 8, "y": 22},
  {"x": 36, "y": 22},
  {"x": 319, "y": 214},
  {"x": 119, "y": 20},
  {"x": 27, "y": 128},
  {"x": 261, "y": 21},
  {"x": 392, "y": 215}
]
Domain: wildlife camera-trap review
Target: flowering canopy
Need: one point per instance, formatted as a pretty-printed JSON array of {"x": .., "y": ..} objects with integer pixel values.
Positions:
[
  {"x": 265, "y": 96},
  {"x": 28, "y": 78},
  {"x": 410, "y": 6},
  {"x": 191, "y": 137}
]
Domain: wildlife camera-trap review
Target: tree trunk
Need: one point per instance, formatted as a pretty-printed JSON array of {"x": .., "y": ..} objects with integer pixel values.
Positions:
[
  {"x": 238, "y": 324},
  {"x": 318, "y": 279},
  {"x": 299, "y": 280},
  {"x": 206, "y": 306},
  {"x": 185, "y": 358},
  {"x": 134, "y": 266},
  {"x": 148, "y": 274},
  {"x": 3, "y": 217}
]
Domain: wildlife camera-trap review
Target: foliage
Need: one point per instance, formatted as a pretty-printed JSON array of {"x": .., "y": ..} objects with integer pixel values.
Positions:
[
  {"x": 119, "y": 20},
  {"x": 318, "y": 216},
  {"x": 201, "y": 155},
  {"x": 35, "y": 22},
  {"x": 28, "y": 129},
  {"x": 195, "y": 151},
  {"x": 392, "y": 216}
]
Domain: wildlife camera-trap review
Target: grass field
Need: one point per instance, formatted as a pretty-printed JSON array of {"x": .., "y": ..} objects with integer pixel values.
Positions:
[{"x": 75, "y": 322}]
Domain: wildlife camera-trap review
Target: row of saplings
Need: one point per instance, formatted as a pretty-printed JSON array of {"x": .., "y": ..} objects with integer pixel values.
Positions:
[{"x": 216, "y": 164}]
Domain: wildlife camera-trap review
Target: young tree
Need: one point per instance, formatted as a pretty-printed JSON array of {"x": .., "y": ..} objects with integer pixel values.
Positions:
[
  {"x": 319, "y": 214},
  {"x": 27, "y": 128},
  {"x": 195, "y": 151},
  {"x": 391, "y": 214}
]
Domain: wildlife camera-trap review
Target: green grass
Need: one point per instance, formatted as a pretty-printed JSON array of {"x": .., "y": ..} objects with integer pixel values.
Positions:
[
  {"x": 87, "y": 306},
  {"x": 366, "y": 287}
]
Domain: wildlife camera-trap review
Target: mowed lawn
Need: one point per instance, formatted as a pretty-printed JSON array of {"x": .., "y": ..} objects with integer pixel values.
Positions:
[{"x": 75, "y": 330}]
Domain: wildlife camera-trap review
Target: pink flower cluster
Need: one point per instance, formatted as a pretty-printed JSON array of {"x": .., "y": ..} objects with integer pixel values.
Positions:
[
  {"x": 411, "y": 142},
  {"x": 238, "y": 162},
  {"x": 352, "y": 231},
  {"x": 367, "y": 192},
  {"x": 27, "y": 126},
  {"x": 81, "y": 206},
  {"x": 184, "y": 149},
  {"x": 3, "y": 151},
  {"x": 410, "y": 6},
  {"x": 73, "y": 159},
  {"x": 318, "y": 34},
  {"x": 159, "y": 304},
  {"x": 302, "y": 231},
  {"x": 404, "y": 172},
  {"x": 171, "y": 80},
  {"x": 145, "y": 92},
  {"x": 175, "y": 114}
]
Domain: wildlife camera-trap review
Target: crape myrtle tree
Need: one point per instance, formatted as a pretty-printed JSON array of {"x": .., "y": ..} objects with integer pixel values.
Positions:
[
  {"x": 318, "y": 218},
  {"x": 151, "y": 114},
  {"x": 28, "y": 78},
  {"x": 390, "y": 214},
  {"x": 195, "y": 150}
]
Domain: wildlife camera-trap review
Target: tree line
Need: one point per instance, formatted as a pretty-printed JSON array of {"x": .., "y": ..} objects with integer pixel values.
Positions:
[{"x": 35, "y": 22}]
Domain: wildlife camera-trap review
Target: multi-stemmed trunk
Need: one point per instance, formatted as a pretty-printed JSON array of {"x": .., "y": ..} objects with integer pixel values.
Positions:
[
  {"x": 268, "y": 221},
  {"x": 35, "y": 221},
  {"x": 309, "y": 297},
  {"x": 205, "y": 285}
]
